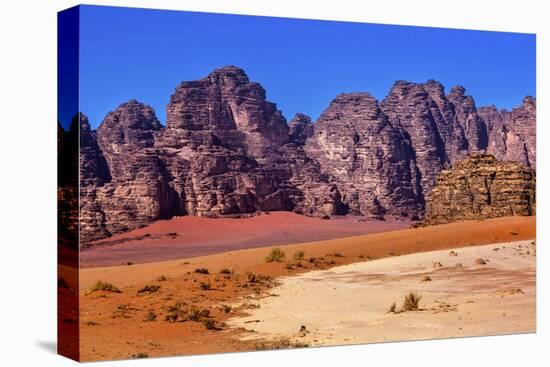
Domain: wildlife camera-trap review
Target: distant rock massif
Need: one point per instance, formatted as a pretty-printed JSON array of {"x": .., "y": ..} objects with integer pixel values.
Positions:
[{"x": 227, "y": 151}]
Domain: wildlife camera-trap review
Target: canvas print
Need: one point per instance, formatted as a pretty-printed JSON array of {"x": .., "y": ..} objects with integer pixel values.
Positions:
[{"x": 241, "y": 183}]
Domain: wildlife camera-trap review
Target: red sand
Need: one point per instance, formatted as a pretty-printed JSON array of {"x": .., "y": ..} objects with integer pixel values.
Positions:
[{"x": 197, "y": 236}]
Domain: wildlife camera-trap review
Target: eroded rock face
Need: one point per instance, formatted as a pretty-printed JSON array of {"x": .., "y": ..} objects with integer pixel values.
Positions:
[
  {"x": 512, "y": 135},
  {"x": 227, "y": 151},
  {"x": 481, "y": 187},
  {"x": 366, "y": 157}
]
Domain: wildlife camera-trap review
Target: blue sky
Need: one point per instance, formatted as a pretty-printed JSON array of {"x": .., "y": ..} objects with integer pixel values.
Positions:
[{"x": 130, "y": 53}]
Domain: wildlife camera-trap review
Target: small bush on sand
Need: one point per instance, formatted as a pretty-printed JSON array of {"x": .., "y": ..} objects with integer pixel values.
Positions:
[
  {"x": 209, "y": 324},
  {"x": 411, "y": 302},
  {"x": 336, "y": 254},
  {"x": 205, "y": 286},
  {"x": 226, "y": 308},
  {"x": 298, "y": 255},
  {"x": 426, "y": 279},
  {"x": 104, "y": 286},
  {"x": 162, "y": 278},
  {"x": 150, "y": 316},
  {"x": 201, "y": 271},
  {"x": 196, "y": 314},
  {"x": 393, "y": 308},
  {"x": 175, "y": 311},
  {"x": 276, "y": 254},
  {"x": 257, "y": 278},
  {"x": 140, "y": 355},
  {"x": 226, "y": 271},
  {"x": 129, "y": 263},
  {"x": 480, "y": 261},
  {"x": 149, "y": 289}
]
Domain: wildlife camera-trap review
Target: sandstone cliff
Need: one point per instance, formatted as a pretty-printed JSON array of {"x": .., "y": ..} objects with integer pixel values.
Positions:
[
  {"x": 480, "y": 187},
  {"x": 228, "y": 151}
]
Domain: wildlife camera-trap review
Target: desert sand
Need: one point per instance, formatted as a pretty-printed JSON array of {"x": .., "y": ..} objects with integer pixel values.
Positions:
[
  {"x": 113, "y": 326},
  {"x": 190, "y": 236},
  {"x": 349, "y": 304}
]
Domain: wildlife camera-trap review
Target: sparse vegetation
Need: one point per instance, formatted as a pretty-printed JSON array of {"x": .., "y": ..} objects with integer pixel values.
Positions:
[
  {"x": 298, "y": 255},
  {"x": 149, "y": 289},
  {"x": 129, "y": 263},
  {"x": 162, "y": 278},
  {"x": 196, "y": 314},
  {"x": 276, "y": 254},
  {"x": 209, "y": 324},
  {"x": 480, "y": 261},
  {"x": 103, "y": 286},
  {"x": 202, "y": 271},
  {"x": 393, "y": 308},
  {"x": 172, "y": 234},
  {"x": 226, "y": 308},
  {"x": 140, "y": 355},
  {"x": 411, "y": 302},
  {"x": 205, "y": 286},
  {"x": 426, "y": 279},
  {"x": 336, "y": 254},
  {"x": 174, "y": 312},
  {"x": 150, "y": 316},
  {"x": 257, "y": 278},
  {"x": 226, "y": 271}
]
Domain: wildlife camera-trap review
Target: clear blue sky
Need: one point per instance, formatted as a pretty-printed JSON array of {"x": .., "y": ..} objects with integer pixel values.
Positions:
[{"x": 303, "y": 64}]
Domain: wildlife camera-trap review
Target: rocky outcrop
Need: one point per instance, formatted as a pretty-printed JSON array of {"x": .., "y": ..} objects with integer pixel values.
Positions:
[
  {"x": 481, "y": 187},
  {"x": 227, "y": 151}
]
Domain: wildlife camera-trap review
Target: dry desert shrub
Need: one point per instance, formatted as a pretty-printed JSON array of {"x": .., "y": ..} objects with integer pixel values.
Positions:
[
  {"x": 150, "y": 316},
  {"x": 202, "y": 271},
  {"x": 480, "y": 261},
  {"x": 103, "y": 286},
  {"x": 276, "y": 254},
  {"x": 437, "y": 264},
  {"x": 426, "y": 279},
  {"x": 162, "y": 278},
  {"x": 299, "y": 255},
  {"x": 149, "y": 289},
  {"x": 226, "y": 271},
  {"x": 205, "y": 286},
  {"x": 393, "y": 308},
  {"x": 139, "y": 355},
  {"x": 411, "y": 302}
]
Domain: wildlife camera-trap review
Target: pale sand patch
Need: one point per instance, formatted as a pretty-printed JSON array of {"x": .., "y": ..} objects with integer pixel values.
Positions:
[{"x": 349, "y": 304}]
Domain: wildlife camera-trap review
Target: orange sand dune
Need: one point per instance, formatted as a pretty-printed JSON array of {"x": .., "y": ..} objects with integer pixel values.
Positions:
[
  {"x": 196, "y": 236},
  {"x": 106, "y": 334}
]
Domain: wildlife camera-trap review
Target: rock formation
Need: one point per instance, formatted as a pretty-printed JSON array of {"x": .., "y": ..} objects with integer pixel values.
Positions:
[
  {"x": 227, "y": 151},
  {"x": 481, "y": 187}
]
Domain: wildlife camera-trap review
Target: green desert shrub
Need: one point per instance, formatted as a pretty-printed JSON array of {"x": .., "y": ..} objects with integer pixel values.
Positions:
[
  {"x": 276, "y": 254},
  {"x": 299, "y": 255},
  {"x": 104, "y": 286}
]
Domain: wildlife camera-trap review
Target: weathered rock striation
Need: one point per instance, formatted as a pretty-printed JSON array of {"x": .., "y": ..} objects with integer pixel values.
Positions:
[
  {"x": 481, "y": 187},
  {"x": 227, "y": 151}
]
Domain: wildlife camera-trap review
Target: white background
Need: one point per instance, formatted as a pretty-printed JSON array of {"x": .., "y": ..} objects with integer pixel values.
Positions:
[{"x": 28, "y": 181}]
